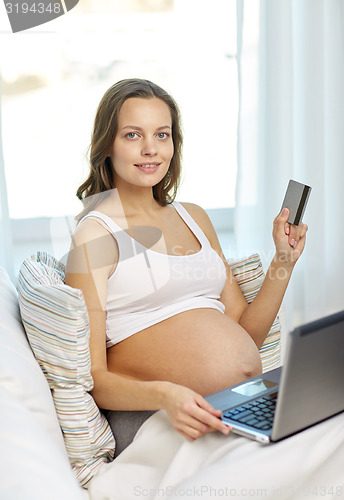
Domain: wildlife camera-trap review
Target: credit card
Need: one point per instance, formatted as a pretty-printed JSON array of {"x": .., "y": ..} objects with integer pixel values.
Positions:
[{"x": 295, "y": 199}]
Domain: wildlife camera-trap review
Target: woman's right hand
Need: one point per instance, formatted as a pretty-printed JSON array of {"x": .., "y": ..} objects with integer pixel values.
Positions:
[{"x": 190, "y": 414}]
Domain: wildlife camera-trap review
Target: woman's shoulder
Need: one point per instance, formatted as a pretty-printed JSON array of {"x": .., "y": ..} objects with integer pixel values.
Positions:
[
  {"x": 91, "y": 241},
  {"x": 93, "y": 234},
  {"x": 201, "y": 217},
  {"x": 192, "y": 208},
  {"x": 196, "y": 211},
  {"x": 88, "y": 229}
]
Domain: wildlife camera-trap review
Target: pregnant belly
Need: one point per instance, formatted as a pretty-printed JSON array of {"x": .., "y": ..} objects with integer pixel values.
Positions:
[{"x": 202, "y": 349}]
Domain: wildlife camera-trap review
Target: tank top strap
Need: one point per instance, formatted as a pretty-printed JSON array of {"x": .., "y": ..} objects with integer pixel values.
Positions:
[
  {"x": 191, "y": 223},
  {"x": 127, "y": 246},
  {"x": 107, "y": 222}
]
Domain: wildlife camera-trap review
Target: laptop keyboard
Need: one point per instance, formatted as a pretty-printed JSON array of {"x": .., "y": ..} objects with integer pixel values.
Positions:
[{"x": 258, "y": 413}]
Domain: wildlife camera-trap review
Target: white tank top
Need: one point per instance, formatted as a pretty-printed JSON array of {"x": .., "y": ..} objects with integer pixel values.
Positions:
[{"x": 148, "y": 287}]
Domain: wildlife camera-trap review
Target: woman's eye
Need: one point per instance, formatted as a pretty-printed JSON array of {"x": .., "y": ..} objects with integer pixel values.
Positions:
[
  {"x": 131, "y": 135},
  {"x": 163, "y": 135}
]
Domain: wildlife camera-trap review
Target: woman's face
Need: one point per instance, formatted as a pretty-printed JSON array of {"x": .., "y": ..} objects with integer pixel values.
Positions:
[{"x": 143, "y": 146}]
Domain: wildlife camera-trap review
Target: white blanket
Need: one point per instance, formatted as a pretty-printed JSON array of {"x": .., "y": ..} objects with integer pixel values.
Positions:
[{"x": 161, "y": 464}]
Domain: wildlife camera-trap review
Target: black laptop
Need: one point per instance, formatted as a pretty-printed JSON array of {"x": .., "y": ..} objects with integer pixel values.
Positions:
[{"x": 308, "y": 388}]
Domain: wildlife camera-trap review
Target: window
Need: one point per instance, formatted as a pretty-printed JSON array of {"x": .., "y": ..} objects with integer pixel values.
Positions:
[{"x": 54, "y": 76}]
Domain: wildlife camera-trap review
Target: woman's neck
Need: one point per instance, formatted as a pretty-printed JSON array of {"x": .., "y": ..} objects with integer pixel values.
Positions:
[{"x": 132, "y": 202}]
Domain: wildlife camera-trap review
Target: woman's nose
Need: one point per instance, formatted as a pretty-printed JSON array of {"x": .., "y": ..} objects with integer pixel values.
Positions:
[{"x": 149, "y": 147}]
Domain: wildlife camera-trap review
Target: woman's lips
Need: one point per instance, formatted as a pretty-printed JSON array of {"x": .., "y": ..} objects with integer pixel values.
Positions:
[{"x": 148, "y": 168}]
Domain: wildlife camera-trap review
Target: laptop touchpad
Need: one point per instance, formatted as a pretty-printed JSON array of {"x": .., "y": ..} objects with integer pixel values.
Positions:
[{"x": 254, "y": 387}]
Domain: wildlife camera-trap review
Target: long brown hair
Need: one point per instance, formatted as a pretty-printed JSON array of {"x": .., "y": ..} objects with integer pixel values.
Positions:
[{"x": 101, "y": 175}]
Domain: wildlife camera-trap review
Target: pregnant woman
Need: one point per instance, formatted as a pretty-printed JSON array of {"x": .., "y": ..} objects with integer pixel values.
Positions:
[{"x": 168, "y": 322}]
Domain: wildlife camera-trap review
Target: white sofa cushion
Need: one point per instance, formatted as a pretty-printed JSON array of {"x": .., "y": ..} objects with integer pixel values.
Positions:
[
  {"x": 20, "y": 373},
  {"x": 32, "y": 466},
  {"x": 56, "y": 321},
  {"x": 33, "y": 455}
]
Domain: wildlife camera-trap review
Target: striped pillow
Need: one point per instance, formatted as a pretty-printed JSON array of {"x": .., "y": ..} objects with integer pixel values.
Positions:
[
  {"x": 250, "y": 276},
  {"x": 56, "y": 322}
]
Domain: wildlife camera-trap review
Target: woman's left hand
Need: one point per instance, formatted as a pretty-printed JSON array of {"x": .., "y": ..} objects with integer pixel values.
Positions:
[{"x": 289, "y": 239}]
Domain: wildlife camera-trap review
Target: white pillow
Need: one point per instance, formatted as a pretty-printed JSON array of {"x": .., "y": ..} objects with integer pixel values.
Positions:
[
  {"x": 56, "y": 321},
  {"x": 20, "y": 373},
  {"x": 32, "y": 467}
]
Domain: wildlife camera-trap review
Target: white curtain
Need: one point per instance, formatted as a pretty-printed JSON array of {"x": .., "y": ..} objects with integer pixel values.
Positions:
[
  {"x": 291, "y": 125},
  {"x": 5, "y": 228}
]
